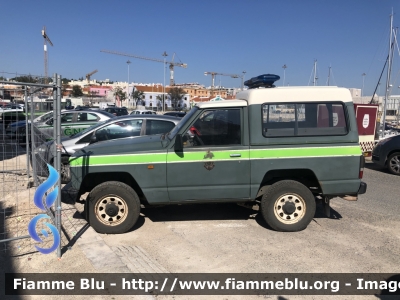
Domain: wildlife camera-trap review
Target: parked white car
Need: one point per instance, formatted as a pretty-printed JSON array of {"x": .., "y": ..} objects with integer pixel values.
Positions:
[{"x": 143, "y": 112}]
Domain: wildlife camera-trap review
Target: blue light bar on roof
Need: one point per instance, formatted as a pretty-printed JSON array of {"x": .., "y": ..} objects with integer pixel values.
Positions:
[{"x": 265, "y": 80}]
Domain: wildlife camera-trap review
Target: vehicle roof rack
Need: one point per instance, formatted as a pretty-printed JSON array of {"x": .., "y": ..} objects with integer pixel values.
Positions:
[{"x": 265, "y": 80}]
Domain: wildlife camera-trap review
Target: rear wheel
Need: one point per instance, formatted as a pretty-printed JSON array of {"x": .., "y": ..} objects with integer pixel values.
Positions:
[
  {"x": 288, "y": 205},
  {"x": 112, "y": 207},
  {"x": 393, "y": 163}
]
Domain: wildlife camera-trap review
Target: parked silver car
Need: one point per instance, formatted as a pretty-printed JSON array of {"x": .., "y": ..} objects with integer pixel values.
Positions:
[
  {"x": 120, "y": 127},
  {"x": 72, "y": 122}
]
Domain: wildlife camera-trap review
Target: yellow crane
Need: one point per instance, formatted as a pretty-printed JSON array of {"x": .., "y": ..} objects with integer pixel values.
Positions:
[
  {"x": 90, "y": 74},
  {"x": 172, "y": 64},
  {"x": 46, "y": 40},
  {"x": 213, "y": 78}
]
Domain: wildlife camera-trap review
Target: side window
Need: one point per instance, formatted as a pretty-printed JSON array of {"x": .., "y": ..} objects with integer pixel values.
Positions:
[
  {"x": 158, "y": 127},
  {"x": 67, "y": 118},
  {"x": 122, "y": 129},
  {"x": 219, "y": 127},
  {"x": 82, "y": 117},
  {"x": 303, "y": 119},
  {"x": 92, "y": 117}
]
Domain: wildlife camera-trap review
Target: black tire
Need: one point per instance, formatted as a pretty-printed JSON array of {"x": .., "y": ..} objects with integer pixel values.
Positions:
[
  {"x": 288, "y": 205},
  {"x": 393, "y": 163},
  {"x": 65, "y": 173},
  {"x": 112, "y": 207}
]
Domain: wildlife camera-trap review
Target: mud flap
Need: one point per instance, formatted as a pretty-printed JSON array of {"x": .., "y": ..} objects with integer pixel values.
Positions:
[{"x": 327, "y": 207}]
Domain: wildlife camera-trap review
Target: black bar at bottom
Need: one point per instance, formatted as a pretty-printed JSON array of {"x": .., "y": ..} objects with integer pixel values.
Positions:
[{"x": 202, "y": 284}]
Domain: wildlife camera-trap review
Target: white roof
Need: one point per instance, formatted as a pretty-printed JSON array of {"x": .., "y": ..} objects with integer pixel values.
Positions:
[
  {"x": 284, "y": 94},
  {"x": 295, "y": 94},
  {"x": 222, "y": 103}
]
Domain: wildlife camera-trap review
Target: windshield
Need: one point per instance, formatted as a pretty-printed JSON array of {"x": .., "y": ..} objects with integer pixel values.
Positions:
[
  {"x": 178, "y": 126},
  {"x": 44, "y": 117},
  {"x": 90, "y": 128}
]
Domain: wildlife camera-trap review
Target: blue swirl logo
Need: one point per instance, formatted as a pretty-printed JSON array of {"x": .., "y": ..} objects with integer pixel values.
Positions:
[{"x": 44, "y": 205}]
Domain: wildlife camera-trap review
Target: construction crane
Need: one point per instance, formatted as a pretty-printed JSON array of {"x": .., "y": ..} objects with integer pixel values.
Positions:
[
  {"x": 46, "y": 39},
  {"x": 90, "y": 74},
  {"x": 171, "y": 63},
  {"x": 213, "y": 78}
]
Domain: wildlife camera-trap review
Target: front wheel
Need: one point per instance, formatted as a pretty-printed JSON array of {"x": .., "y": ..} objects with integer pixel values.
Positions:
[
  {"x": 288, "y": 205},
  {"x": 112, "y": 207},
  {"x": 393, "y": 163}
]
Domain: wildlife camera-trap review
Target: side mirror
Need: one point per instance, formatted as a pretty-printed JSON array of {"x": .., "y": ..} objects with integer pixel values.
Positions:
[
  {"x": 178, "y": 147},
  {"x": 93, "y": 138},
  {"x": 49, "y": 122}
]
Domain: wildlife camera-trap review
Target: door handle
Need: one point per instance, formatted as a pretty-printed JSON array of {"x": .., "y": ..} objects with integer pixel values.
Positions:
[{"x": 235, "y": 155}]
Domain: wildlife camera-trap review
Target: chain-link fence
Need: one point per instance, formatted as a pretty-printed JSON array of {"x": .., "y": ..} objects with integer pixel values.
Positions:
[{"x": 27, "y": 191}]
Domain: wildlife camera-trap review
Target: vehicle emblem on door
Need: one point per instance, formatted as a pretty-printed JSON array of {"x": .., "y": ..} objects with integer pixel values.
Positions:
[
  {"x": 209, "y": 154},
  {"x": 209, "y": 165}
]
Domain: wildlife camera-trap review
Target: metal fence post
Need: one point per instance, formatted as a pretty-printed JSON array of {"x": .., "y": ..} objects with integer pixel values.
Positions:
[
  {"x": 27, "y": 132},
  {"x": 58, "y": 161},
  {"x": 33, "y": 144}
]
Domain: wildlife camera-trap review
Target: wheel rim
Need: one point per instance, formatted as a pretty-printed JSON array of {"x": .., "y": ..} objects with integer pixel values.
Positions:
[
  {"x": 111, "y": 210},
  {"x": 290, "y": 208},
  {"x": 394, "y": 164}
]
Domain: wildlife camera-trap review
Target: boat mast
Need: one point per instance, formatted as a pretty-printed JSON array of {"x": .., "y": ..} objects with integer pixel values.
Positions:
[
  {"x": 389, "y": 69},
  {"x": 315, "y": 73},
  {"x": 329, "y": 74}
]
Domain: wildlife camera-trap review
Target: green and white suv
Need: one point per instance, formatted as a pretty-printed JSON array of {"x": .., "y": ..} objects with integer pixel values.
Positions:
[{"x": 280, "y": 147}]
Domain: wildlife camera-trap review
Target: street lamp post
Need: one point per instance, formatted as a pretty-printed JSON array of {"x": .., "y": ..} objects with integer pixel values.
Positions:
[
  {"x": 284, "y": 70},
  {"x": 244, "y": 73},
  {"x": 362, "y": 90},
  {"x": 128, "y": 62},
  {"x": 165, "y": 56}
]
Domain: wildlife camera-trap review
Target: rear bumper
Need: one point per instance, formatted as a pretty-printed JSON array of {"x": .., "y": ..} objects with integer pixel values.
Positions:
[{"x": 361, "y": 190}]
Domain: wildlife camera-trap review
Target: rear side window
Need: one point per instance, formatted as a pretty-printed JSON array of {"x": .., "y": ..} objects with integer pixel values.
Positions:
[
  {"x": 158, "y": 127},
  {"x": 303, "y": 119},
  {"x": 86, "y": 117}
]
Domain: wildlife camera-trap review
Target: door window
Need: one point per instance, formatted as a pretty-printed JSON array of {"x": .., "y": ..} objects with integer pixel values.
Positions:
[
  {"x": 67, "y": 118},
  {"x": 219, "y": 127}
]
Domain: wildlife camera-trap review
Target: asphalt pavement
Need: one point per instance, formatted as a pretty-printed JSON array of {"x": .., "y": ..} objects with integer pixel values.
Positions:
[{"x": 360, "y": 237}]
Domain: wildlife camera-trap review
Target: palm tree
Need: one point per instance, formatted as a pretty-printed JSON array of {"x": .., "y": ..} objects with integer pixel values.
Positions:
[
  {"x": 176, "y": 94},
  {"x": 138, "y": 96},
  {"x": 161, "y": 100},
  {"x": 116, "y": 93}
]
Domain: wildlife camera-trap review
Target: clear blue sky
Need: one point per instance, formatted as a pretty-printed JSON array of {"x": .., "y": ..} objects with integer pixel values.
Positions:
[{"x": 225, "y": 36}]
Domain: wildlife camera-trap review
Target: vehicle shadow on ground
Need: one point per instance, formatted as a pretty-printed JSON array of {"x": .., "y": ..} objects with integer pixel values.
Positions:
[
  {"x": 216, "y": 211},
  {"x": 198, "y": 212},
  {"x": 6, "y": 252}
]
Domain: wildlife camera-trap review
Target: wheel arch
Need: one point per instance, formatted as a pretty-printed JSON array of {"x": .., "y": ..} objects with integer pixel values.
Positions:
[
  {"x": 390, "y": 153},
  {"x": 305, "y": 176},
  {"x": 91, "y": 180}
]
